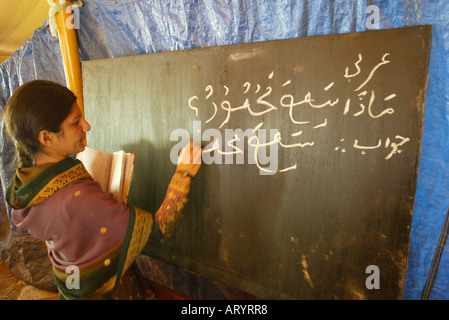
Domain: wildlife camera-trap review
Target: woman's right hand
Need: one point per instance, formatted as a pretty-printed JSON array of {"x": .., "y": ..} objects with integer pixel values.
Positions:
[{"x": 189, "y": 160}]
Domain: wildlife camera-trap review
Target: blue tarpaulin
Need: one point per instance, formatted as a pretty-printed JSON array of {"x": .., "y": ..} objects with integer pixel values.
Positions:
[{"x": 108, "y": 29}]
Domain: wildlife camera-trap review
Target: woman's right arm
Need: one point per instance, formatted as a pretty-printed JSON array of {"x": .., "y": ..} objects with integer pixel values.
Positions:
[{"x": 170, "y": 212}]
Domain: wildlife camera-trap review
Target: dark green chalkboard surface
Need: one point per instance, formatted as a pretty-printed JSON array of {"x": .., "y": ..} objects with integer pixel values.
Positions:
[{"x": 311, "y": 151}]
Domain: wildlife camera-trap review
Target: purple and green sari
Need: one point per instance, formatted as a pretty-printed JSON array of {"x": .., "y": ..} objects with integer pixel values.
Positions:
[{"x": 88, "y": 232}]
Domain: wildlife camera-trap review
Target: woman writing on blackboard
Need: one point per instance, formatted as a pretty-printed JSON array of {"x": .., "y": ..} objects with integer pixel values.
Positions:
[{"x": 52, "y": 196}]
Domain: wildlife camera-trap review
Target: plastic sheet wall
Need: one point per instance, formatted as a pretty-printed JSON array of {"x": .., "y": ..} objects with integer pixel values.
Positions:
[{"x": 110, "y": 29}]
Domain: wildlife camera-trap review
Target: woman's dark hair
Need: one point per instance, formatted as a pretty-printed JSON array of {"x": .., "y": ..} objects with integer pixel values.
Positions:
[{"x": 35, "y": 106}]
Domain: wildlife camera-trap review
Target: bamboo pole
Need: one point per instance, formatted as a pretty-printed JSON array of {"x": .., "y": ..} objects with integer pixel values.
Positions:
[{"x": 70, "y": 55}]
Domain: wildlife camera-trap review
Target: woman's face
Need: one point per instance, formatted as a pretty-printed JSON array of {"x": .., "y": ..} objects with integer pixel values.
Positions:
[{"x": 71, "y": 138}]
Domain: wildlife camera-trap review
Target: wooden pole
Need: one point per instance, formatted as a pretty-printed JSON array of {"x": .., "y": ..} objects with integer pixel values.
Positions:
[{"x": 70, "y": 56}]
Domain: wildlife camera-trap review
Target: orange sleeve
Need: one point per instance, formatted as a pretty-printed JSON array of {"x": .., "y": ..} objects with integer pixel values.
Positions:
[{"x": 170, "y": 213}]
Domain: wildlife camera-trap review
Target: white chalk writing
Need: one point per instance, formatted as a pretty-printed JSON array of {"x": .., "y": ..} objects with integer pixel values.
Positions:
[{"x": 257, "y": 101}]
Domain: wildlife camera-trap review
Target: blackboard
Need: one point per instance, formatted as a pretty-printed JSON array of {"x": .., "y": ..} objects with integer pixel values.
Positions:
[{"x": 311, "y": 156}]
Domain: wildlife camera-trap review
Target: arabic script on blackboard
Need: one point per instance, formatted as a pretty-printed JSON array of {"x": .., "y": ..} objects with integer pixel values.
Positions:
[{"x": 259, "y": 140}]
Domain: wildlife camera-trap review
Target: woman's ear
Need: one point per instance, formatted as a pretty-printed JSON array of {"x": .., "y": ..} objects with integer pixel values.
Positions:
[{"x": 46, "y": 138}]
